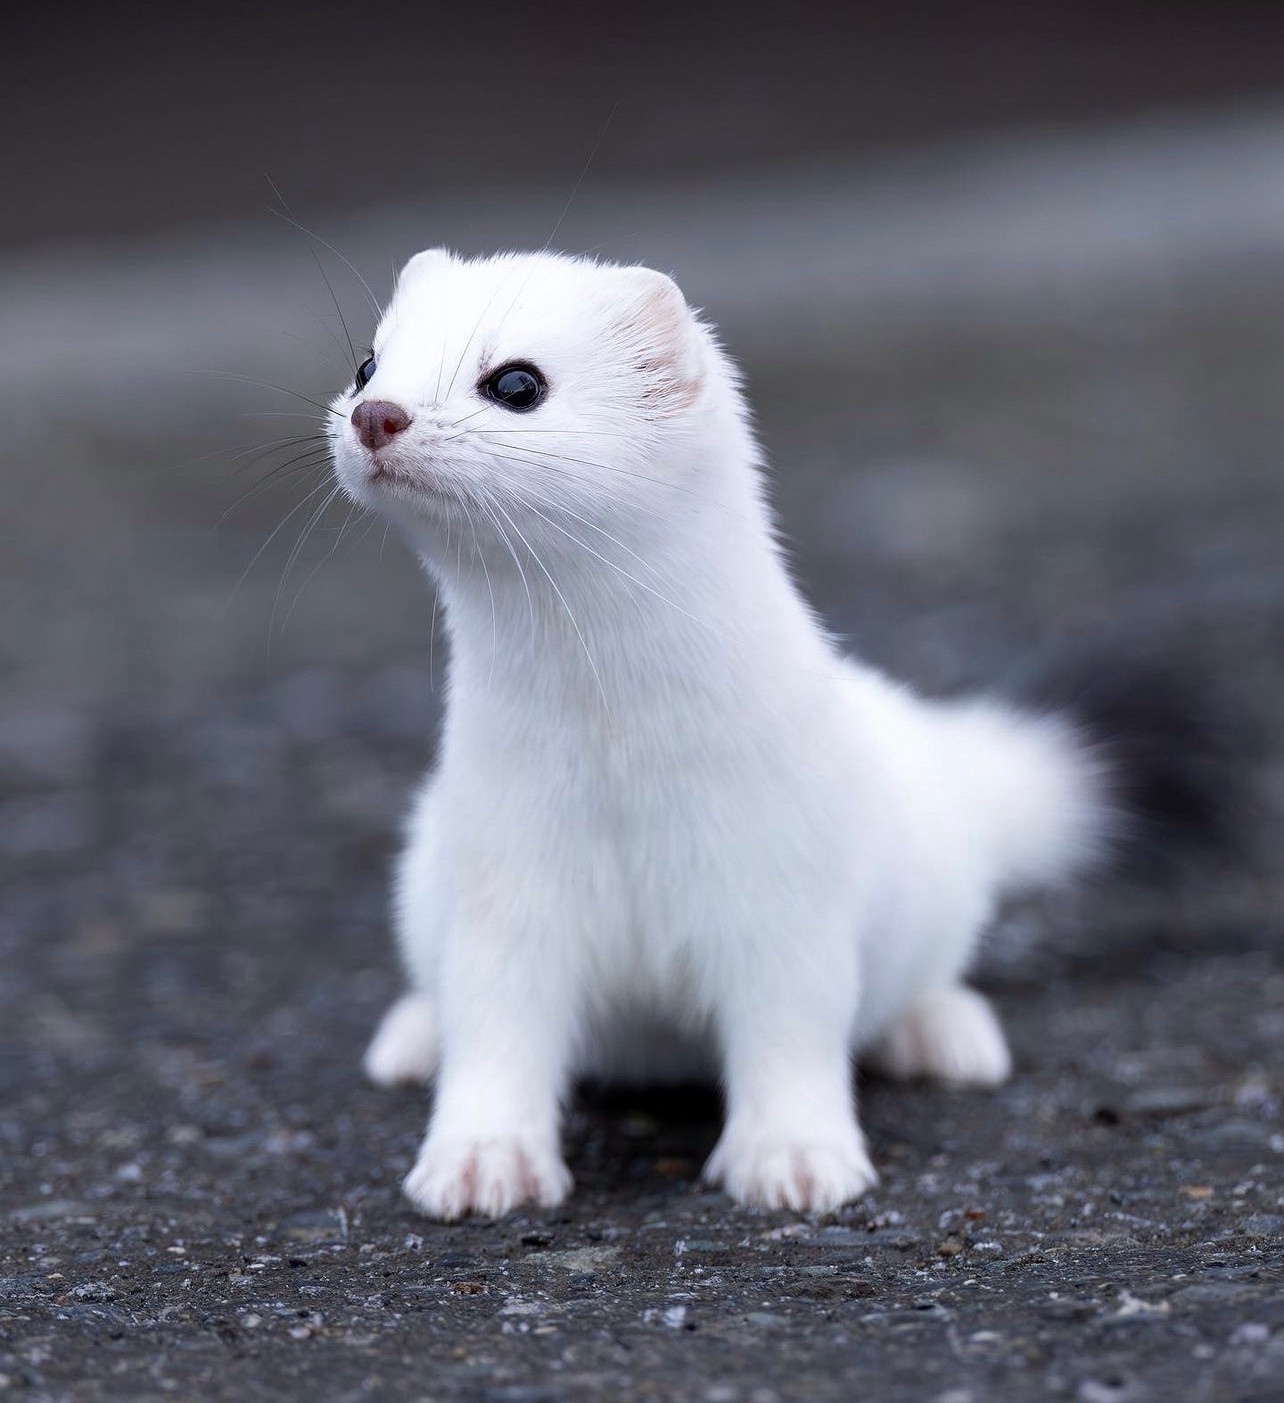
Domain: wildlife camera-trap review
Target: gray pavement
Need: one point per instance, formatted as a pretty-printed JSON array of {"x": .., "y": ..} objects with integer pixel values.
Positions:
[{"x": 1018, "y": 397}]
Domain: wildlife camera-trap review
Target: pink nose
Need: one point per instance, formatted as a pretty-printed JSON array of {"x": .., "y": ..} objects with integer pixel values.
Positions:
[{"x": 378, "y": 422}]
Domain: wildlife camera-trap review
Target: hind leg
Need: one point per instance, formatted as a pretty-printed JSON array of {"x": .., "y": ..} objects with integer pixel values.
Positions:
[
  {"x": 404, "y": 1048},
  {"x": 951, "y": 1035}
]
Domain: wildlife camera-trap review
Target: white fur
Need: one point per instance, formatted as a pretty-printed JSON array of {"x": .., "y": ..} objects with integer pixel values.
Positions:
[{"x": 671, "y": 826}]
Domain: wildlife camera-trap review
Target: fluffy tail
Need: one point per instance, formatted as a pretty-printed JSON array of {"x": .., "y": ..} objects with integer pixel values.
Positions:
[
  {"x": 1169, "y": 767},
  {"x": 1094, "y": 765},
  {"x": 1145, "y": 765}
]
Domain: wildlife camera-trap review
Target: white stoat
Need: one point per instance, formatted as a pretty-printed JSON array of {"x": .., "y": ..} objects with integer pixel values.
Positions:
[{"x": 672, "y": 826}]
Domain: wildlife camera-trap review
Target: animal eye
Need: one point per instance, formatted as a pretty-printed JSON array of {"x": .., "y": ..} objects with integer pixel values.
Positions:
[
  {"x": 515, "y": 386},
  {"x": 365, "y": 372}
]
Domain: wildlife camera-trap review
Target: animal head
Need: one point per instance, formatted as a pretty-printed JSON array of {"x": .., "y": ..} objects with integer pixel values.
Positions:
[{"x": 516, "y": 385}]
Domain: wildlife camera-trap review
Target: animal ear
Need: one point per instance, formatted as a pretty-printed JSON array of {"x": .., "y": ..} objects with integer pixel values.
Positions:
[
  {"x": 428, "y": 261},
  {"x": 660, "y": 335}
]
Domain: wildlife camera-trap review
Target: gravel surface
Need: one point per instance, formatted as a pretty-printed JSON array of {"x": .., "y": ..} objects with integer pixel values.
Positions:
[{"x": 198, "y": 1193}]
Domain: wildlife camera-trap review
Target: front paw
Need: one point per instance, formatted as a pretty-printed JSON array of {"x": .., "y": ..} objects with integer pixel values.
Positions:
[
  {"x": 807, "y": 1175},
  {"x": 457, "y": 1175}
]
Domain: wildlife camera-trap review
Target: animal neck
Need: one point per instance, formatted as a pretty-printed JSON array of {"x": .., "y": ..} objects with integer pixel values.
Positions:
[{"x": 600, "y": 615}]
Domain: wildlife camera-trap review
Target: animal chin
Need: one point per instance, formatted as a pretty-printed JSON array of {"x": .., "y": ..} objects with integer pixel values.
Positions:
[
  {"x": 387, "y": 472},
  {"x": 404, "y": 480}
]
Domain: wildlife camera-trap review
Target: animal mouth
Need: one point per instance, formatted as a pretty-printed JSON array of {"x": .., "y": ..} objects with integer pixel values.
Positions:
[
  {"x": 381, "y": 468},
  {"x": 417, "y": 480}
]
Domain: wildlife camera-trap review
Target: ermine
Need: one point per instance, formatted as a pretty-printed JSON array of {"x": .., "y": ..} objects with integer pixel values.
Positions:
[{"x": 673, "y": 830}]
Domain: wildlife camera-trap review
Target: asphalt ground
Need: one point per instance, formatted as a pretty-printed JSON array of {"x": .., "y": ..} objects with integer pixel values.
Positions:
[{"x": 202, "y": 784}]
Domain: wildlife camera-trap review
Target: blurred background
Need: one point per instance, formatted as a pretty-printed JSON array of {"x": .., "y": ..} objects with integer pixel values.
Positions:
[{"x": 1008, "y": 284}]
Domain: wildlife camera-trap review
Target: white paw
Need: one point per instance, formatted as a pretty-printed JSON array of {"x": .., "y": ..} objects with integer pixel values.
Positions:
[
  {"x": 807, "y": 1176},
  {"x": 456, "y": 1176},
  {"x": 404, "y": 1049},
  {"x": 950, "y": 1034}
]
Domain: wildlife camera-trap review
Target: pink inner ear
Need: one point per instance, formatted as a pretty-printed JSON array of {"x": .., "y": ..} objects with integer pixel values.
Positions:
[{"x": 660, "y": 329}]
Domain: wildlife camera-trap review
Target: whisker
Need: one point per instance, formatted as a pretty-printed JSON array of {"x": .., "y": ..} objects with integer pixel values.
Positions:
[
  {"x": 356, "y": 510},
  {"x": 296, "y": 551},
  {"x": 436, "y": 601},
  {"x": 232, "y": 455},
  {"x": 432, "y": 634},
  {"x": 597, "y": 433},
  {"x": 530, "y": 601},
  {"x": 464, "y": 420},
  {"x": 477, "y": 327},
  {"x": 479, "y": 554},
  {"x": 557, "y": 468},
  {"x": 312, "y": 457},
  {"x": 625, "y": 472},
  {"x": 441, "y": 360},
  {"x": 312, "y": 574},
  {"x": 343, "y": 321},
  {"x": 575, "y": 189},
  {"x": 280, "y": 414},
  {"x": 312, "y": 345},
  {"x": 602, "y": 531},
  {"x": 606, "y": 706},
  {"x": 561, "y": 218},
  {"x": 347, "y": 262},
  {"x": 642, "y": 584},
  {"x": 372, "y": 520},
  {"x": 276, "y": 531},
  {"x": 592, "y": 525},
  {"x": 266, "y": 385},
  {"x": 266, "y": 482},
  {"x": 261, "y": 450},
  {"x": 532, "y": 508}
]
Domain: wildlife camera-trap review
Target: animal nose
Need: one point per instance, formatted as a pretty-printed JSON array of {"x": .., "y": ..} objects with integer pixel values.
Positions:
[{"x": 378, "y": 422}]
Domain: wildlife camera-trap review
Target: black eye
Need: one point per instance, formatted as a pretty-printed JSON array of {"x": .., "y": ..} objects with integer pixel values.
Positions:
[
  {"x": 515, "y": 386},
  {"x": 365, "y": 371}
]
